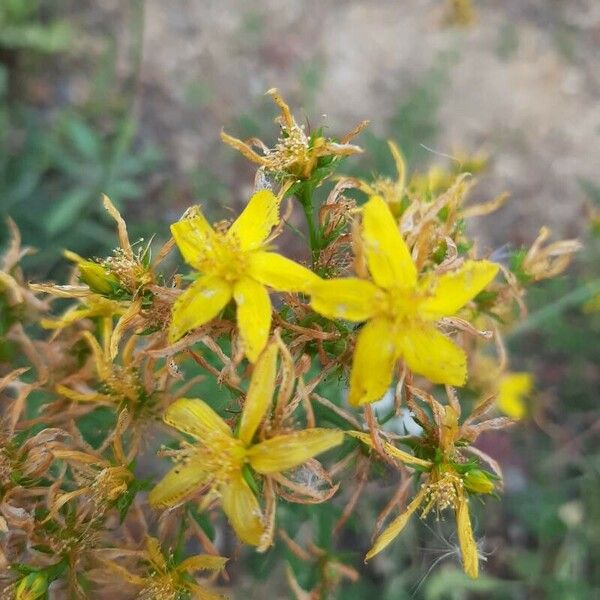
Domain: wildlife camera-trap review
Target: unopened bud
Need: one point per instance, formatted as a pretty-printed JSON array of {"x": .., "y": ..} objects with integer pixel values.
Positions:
[
  {"x": 97, "y": 277},
  {"x": 32, "y": 587},
  {"x": 478, "y": 481}
]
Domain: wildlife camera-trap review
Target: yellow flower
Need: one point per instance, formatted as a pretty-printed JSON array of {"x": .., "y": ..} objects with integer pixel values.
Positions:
[
  {"x": 92, "y": 305},
  {"x": 119, "y": 385},
  {"x": 447, "y": 485},
  {"x": 401, "y": 309},
  {"x": 444, "y": 489},
  {"x": 512, "y": 391},
  {"x": 235, "y": 264},
  {"x": 218, "y": 460},
  {"x": 166, "y": 581}
]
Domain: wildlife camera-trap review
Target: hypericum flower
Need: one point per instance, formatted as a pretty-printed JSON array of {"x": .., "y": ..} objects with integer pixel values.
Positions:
[
  {"x": 219, "y": 459},
  {"x": 92, "y": 306},
  {"x": 122, "y": 385},
  {"x": 444, "y": 489},
  {"x": 295, "y": 153},
  {"x": 513, "y": 388},
  {"x": 132, "y": 268},
  {"x": 235, "y": 264},
  {"x": 400, "y": 308},
  {"x": 449, "y": 479},
  {"x": 168, "y": 581},
  {"x": 120, "y": 286},
  {"x": 491, "y": 378}
]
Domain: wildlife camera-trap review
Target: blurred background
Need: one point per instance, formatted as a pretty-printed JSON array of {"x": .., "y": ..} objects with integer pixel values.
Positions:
[{"x": 128, "y": 98}]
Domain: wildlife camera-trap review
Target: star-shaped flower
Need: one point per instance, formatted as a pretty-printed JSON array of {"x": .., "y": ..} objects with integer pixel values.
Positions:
[
  {"x": 400, "y": 309},
  {"x": 235, "y": 264},
  {"x": 217, "y": 461}
]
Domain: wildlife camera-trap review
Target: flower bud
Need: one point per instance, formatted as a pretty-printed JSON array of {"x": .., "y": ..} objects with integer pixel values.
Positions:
[
  {"x": 478, "y": 481},
  {"x": 32, "y": 587},
  {"x": 97, "y": 277}
]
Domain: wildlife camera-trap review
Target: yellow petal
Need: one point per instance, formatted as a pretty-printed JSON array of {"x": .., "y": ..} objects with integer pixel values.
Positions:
[
  {"x": 430, "y": 353},
  {"x": 202, "y": 562},
  {"x": 287, "y": 451},
  {"x": 256, "y": 221},
  {"x": 103, "y": 366},
  {"x": 387, "y": 254},
  {"x": 391, "y": 450},
  {"x": 124, "y": 574},
  {"x": 253, "y": 315},
  {"x": 178, "y": 483},
  {"x": 194, "y": 237},
  {"x": 82, "y": 396},
  {"x": 124, "y": 322},
  {"x": 280, "y": 273},
  {"x": 451, "y": 291},
  {"x": 373, "y": 362},
  {"x": 468, "y": 547},
  {"x": 260, "y": 393},
  {"x": 199, "y": 304},
  {"x": 70, "y": 316},
  {"x": 352, "y": 299},
  {"x": 390, "y": 533},
  {"x": 199, "y": 592},
  {"x": 512, "y": 391},
  {"x": 155, "y": 554},
  {"x": 243, "y": 511},
  {"x": 196, "y": 418}
]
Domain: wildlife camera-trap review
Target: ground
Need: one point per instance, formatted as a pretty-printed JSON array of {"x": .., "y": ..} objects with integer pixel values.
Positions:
[{"x": 522, "y": 83}]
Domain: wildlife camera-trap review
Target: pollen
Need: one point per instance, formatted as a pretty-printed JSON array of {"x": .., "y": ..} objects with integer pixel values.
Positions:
[{"x": 442, "y": 493}]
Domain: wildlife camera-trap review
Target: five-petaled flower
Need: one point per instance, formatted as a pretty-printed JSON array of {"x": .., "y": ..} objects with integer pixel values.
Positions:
[
  {"x": 218, "y": 461},
  {"x": 400, "y": 309},
  {"x": 168, "y": 581},
  {"x": 235, "y": 264}
]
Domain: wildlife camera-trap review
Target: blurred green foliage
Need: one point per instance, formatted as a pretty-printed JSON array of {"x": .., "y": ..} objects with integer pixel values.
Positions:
[
  {"x": 26, "y": 25},
  {"x": 56, "y": 161}
]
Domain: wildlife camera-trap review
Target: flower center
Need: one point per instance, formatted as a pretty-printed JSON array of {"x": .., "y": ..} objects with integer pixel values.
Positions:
[
  {"x": 402, "y": 305},
  {"x": 220, "y": 456},
  {"x": 442, "y": 492},
  {"x": 229, "y": 261}
]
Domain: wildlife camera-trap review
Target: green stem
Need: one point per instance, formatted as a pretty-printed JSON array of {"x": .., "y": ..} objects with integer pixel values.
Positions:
[
  {"x": 576, "y": 297},
  {"x": 180, "y": 541},
  {"x": 305, "y": 197}
]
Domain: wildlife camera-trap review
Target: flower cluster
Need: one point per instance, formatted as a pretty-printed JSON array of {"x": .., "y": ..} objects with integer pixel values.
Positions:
[{"x": 246, "y": 356}]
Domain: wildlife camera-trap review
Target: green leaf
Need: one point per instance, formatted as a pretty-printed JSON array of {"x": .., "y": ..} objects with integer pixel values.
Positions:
[
  {"x": 66, "y": 211},
  {"x": 83, "y": 138}
]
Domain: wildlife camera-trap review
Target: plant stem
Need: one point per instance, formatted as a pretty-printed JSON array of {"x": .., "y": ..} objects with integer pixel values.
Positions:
[{"x": 305, "y": 197}]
